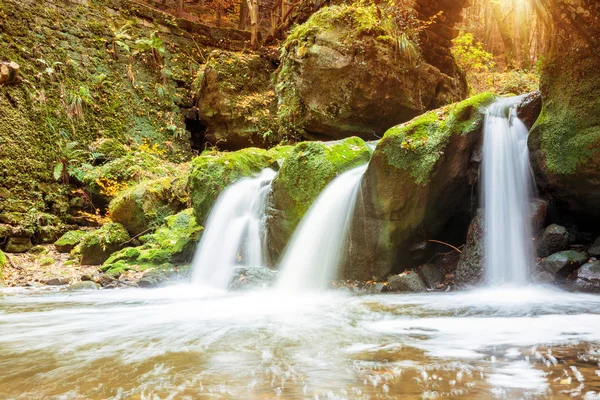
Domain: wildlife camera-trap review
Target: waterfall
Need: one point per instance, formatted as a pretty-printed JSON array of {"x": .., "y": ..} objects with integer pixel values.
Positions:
[
  {"x": 507, "y": 188},
  {"x": 314, "y": 252},
  {"x": 235, "y": 232}
]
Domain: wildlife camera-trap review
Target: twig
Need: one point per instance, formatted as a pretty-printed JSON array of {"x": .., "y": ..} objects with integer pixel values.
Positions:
[
  {"x": 137, "y": 236},
  {"x": 444, "y": 243}
]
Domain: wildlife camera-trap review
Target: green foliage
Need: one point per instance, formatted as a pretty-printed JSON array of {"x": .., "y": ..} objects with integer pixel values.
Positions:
[
  {"x": 153, "y": 45},
  {"x": 470, "y": 56}
]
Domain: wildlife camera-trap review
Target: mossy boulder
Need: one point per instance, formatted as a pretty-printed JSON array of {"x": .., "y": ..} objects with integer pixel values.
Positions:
[
  {"x": 237, "y": 102},
  {"x": 96, "y": 246},
  {"x": 565, "y": 140},
  {"x": 69, "y": 240},
  {"x": 342, "y": 74},
  {"x": 2, "y": 263},
  {"x": 172, "y": 244},
  {"x": 303, "y": 175},
  {"x": 420, "y": 175},
  {"x": 18, "y": 244},
  {"x": 212, "y": 172},
  {"x": 147, "y": 204}
]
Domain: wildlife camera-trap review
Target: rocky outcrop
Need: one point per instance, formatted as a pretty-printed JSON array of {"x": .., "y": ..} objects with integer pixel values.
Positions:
[
  {"x": 420, "y": 174},
  {"x": 562, "y": 264},
  {"x": 303, "y": 175},
  {"x": 342, "y": 74},
  {"x": 69, "y": 240},
  {"x": 96, "y": 246},
  {"x": 236, "y": 101}
]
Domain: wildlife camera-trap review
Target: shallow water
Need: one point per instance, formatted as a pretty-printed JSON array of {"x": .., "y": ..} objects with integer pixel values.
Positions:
[{"x": 184, "y": 343}]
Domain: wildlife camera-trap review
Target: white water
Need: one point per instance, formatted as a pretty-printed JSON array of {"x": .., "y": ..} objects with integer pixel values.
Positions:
[
  {"x": 314, "y": 252},
  {"x": 507, "y": 188},
  {"x": 235, "y": 232}
]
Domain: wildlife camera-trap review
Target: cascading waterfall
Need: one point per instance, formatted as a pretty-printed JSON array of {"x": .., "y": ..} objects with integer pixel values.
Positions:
[
  {"x": 235, "y": 232},
  {"x": 315, "y": 250},
  {"x": 507, "y": 189}
]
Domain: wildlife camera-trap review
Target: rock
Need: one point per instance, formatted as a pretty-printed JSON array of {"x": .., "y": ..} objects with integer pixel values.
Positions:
[
  {"x": 98, "y": 245},
  {"x": 529, "y": 108},
  {"x": 554, "y": 239},
  {"x": 3, "y": 262},
  {"x": 588, "y": 278},
  {"x": 45, "y": 261},
  {"x": 211, "y": 173},
  {"x": 432, "y": 276},
  {"x": 469, "y": 270},
  {"x": 594, "y": 250},
  {"x": 69, "y": 240},
  {"x": 342, "y": 74},
  {"x": 419, "y": 176},
  {"x": 563, "y": 263},
  {"x": 174, "y": 242},
  {"x": 18, "y": 245},
  {"x": 84, "y": 285},
  {"x": 38, "y": 249},
  {"x": 303, "y": 175},
  {"x": 539, "y": 210},
  {"x": 153, "y": 278},
  {"x": 252, "y": 278},
  {"x": 148, "y": 203},
  {"x": 57, "y": 281},
  {"x": 564, "y": 143},
  {"x": 408, "y": 281},
  {"x": 108, "y": 149},
  {"x": 236, "y": 101}
]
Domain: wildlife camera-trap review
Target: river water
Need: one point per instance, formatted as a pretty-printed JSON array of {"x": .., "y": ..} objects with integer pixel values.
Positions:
[{"x": 184, "y": 343}]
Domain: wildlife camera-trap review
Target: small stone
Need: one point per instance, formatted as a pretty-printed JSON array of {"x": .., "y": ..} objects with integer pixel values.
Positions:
[
  {"x": 252, "y": 278},
  {"x": 594, "y": 250},
  {"x": 563, "y": 263},
  {"x": 38, "y": 250},
  {"x": 18, "y": 245},
  {"x": 554, "y": 239},
  {"x": 84, "y": 285},
  {"x": 57, "y": 281},
  {"x": 431, "y": 275},
  {"x": 153, "y": 278},
  {"x": 46, "y": 261},
  {"x": 408, "y": 281}
]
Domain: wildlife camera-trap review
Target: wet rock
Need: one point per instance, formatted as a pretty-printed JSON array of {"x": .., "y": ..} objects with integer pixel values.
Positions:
[
  {"x": 469, "y": 270},
  {"x": 57, "y": 281},
  {"x": 68, "y": 241},
  {"x": 431, "y": 275},
  {"x": 84, "y": 285},
  {"x": 529, "y": 109},
  {"x": 594, "y": 250},
  {"x": 539, "y": 210},
  {"x": 554, "y": 239},
  {"x": 588, "y": 278},
  {"x": 18, "y": 245},
  {"x": 252, "y": 278},
  {"x": 408, "y": 281},
  {"x": 153, "y": 278},
  {"x": 563, "y": 263}
]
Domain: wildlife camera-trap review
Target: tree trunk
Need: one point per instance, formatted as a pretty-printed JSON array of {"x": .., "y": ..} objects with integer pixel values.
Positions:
[
  {"x": 253, "y": 11},
  {"x": 243, "y": 22},
  {"x": 506, "y": 33},
  {"x": 180, "y": 6},
  {"x": 219, "y": 13}
]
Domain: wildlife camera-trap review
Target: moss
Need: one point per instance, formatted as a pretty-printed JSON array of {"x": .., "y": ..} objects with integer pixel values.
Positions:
[
  {"x": 173, "y": 243},
  {"x": 2, "y": 263},
  {"x": 417, "y": 145},
  {"x": 109, "y": 149},
  {"x": 212, "y": 172},
  {"x": 147, "y": 204},
  {"x": 46, "y": 261},
  {"x": 569, "y": 125},
  {"x": 69, "y": 240},
  {"x": 98, "y": 245}
]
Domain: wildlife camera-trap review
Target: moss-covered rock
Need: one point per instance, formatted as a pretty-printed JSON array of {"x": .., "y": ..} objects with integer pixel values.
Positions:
[
  {"x": 96, "y": 246},
  {"x": 303, "y": 175},
  {"x": 237, "y": 101},
  {"x": 147, "y": 204},
  {"x": 342, "y": 73},
  {"x": 212, "y": 172},
  {"x": 420, "y": 174},
  {"x": 69, "y": 240},
  {"x": 2, "y": 262},
  {"x": 565, "y": 140},
  {"x": 171, "y": 244}
]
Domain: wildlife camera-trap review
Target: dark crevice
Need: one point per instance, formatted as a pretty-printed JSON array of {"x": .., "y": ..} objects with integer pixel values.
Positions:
[{"x": 197, "y": 131}]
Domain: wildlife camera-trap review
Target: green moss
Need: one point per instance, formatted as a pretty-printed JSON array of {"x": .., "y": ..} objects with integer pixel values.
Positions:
[
  {"x": 46, "y": 261},
  {"x": 569, "y": 125},
  {"x": 2, "y": 263},
  {"x": 96, "y": 246},
  {"x": 417, "y": 145},
  {"x": 212, "y": 172},
  {"x": 69, "y": 240}
]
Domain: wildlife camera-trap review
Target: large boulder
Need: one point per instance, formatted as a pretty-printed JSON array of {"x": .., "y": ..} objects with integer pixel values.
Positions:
[
  {"x": 212, "y": 172},
  {"x": 408, "y": 281},
  {"x": 98, "y": 245},
  {"x": 67, "y": 242},
  {"x": 343, "y": 73},
  {"x": 237, "y": 102},
  {"x": 304, "y": 173},
  {"x": 421, "y": 172},
  {"x": 594, "y": 249},
  {"x": 554, "y": 239},
  {"x": 147, "y": 204},
  {"x": 588, "y": 278},
  {"x": 563, "y": 263}
]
